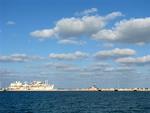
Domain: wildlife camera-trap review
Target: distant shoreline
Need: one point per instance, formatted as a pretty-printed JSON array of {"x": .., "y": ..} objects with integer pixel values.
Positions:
[{"x": 85, "y": 90}]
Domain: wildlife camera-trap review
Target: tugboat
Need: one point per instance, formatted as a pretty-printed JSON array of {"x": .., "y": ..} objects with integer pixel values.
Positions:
[{"x": 93, "y": 88}]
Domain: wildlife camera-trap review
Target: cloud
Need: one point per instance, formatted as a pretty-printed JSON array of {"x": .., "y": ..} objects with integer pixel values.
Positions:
[
  {"x": 135, "y": 61},
  {"x": 11, "y": 23},
  {"x": 19, "y": 58},
  {"x": 62, "y": 67},
  {"x": 114, "y": 53},
  {"x": 113, "y": 15},
  {"x": 87, "y": 12},
  {"x": 135, "y": 30},
  {"x": 119, "y": 69},
  {"x": 45, "y": 33},
  {"x": 87, "y": 70},
  {"x": 98, "y": 68},
  {"x": 70, "y": 41},
  {"x": 75, "y": 27},
  {"x": 68, "y": 56}
]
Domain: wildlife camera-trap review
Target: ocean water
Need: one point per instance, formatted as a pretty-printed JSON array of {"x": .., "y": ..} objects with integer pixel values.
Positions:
[{"x": 74, "y": 102}]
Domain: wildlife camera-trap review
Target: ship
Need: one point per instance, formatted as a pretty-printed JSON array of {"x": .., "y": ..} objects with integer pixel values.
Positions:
[{"x": 32, "y": 86}]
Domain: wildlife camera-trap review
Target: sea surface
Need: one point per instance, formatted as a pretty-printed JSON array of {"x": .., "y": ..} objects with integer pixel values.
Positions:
[{"x": 74, "y": 102}]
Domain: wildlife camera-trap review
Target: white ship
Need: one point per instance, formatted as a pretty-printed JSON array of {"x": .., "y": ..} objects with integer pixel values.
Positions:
[{"x": 33, "y": 86}]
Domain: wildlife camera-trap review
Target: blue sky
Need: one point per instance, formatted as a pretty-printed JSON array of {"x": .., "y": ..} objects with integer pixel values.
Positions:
[{"x": 75, "y": 43}]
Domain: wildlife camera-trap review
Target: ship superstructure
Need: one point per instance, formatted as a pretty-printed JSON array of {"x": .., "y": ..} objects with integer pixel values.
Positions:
[{"x": 33, "y": 86}]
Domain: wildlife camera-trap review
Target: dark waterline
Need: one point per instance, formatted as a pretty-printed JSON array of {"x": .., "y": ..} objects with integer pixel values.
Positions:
[{"x": 74, "y": 102}]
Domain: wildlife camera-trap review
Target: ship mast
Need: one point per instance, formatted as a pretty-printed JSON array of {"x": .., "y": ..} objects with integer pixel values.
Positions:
[{"x": 46, "y": 82}]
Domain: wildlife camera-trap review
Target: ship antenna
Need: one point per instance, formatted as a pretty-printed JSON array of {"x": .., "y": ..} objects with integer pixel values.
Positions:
[
  {"x": 46, "y": 82},
  {"x": 94, "y": 84}
]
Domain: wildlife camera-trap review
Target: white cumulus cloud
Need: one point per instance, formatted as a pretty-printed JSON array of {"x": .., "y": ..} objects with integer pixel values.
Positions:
[
  {"x": 135, "y": 61},
  {"x": 45, "y": 33},
  {"x": 127, "y": 31},
  {"x": 114, "y": 53},
  {"x": 68, "y": 56},
  {"x": 75, "y": 27},
  {"x": 70, "y": 41},
  {"x": 18, "y": 58}
]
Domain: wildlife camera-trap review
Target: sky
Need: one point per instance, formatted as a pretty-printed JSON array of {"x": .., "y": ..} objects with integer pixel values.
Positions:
[{"x": 75, "y": 43}]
